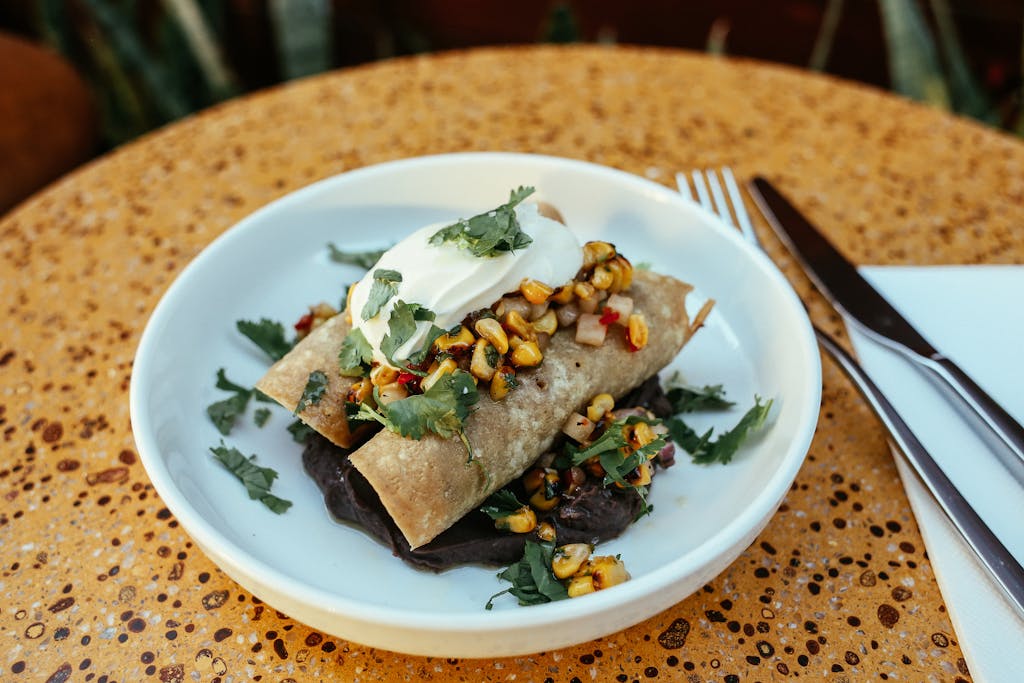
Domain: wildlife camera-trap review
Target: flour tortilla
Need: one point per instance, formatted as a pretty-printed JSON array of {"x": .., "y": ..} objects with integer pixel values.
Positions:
[{"x": 427, "y": 485}]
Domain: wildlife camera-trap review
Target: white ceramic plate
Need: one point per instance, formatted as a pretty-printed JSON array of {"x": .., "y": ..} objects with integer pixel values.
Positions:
[{"x": 334, "y": 578}]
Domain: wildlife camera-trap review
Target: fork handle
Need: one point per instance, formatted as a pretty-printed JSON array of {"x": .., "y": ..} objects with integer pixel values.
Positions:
[{"x": 1001, "y": 565}]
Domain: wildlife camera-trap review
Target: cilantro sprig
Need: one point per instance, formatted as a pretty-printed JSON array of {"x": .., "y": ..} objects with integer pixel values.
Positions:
[
  {"x": 687, "y": 399},
  {"x": 362, "y": 259},
  {"x": 355, "y": 355},
  {"x": 257, "y": 480},
  {"x": 226, "y": 412},
  {"x": 402, "y": 326},
  {"x": 441, "y": 409},
  {"x": 490, "y": 233},
  {"x": 704, "y": 451},
  {"x": 268, "y": 335},
  {"x": 313, "y": 392},
  {"x": 385, "y": 286},
  {"x": 533, "y": 581},
  {"x": 501, "y": 503}
]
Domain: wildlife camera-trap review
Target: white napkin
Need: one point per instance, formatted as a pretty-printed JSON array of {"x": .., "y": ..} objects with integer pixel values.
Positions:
[{"x": 974, "y": 315}]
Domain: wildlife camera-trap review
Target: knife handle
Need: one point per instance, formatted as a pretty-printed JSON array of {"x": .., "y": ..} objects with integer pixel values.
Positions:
[
  {"x": 993, "y": 415},
  {"x": 1000, "y": 563}
]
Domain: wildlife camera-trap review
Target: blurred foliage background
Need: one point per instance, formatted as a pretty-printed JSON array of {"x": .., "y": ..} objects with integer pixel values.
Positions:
[{"x": 149, "y": 62}]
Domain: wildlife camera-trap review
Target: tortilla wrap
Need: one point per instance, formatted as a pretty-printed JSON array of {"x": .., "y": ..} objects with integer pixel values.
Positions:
[
  {"x": 427, "y": 485},
  {"x": 286, "y": 380}
]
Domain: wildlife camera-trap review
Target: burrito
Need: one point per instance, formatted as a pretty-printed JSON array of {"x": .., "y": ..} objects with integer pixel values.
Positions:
[{"x": 506, "y": 306}]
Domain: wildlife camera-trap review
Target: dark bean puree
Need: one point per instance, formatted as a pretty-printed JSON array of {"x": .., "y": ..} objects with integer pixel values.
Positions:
[{"x": 591, "y": 514}]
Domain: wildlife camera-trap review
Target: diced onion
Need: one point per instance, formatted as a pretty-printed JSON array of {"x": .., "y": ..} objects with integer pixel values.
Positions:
[
  {"x": 567, "y": 314},
  {"x": 578, "y": 427},
  {"x": 589, "y": 330},
  {"x": 623, "y": 305}
]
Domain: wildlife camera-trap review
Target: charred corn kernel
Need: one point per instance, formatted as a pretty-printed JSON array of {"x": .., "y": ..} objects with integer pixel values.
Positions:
[
  {"x": 526, "y": 355},
  {"x": 485, "y": 360},
  {"x": 503, "y": 382},
  {"x": 515, "y": 341},
  {"x": 383, "y": 374},
  {"x": 535, "y": 291},
  {"x": 533, "y": 480},
  {"x": 599, "y": 405},
  {"x": 584, "y": 290},
  {"x": 546, "y": 496},
  {"x": 568, "y": 559},
  {"x": 641, "y": 476},
  {"x": 546, "y": 531},
  {"x": 491, "y": 330},
  {"x": 580, "y": 585},
  {"x": 627, "y": 272},
  {"x": 360, "y": 392},
  {"x": 517, "y": 325},
  {"x": 462, "y": 339},
  {"x": 546, "y": 324},
  {"x": 636, "y": 331},
  {"x": 597, "y": 252},
  {"x": 562, "y": 295},
  {"x": 522, "y": 521},
  {"x": 593, "y": 466},
  {"x": 393, "y": 392},
  {"x": 607, "y": 571},
  {"x": 448, "y": 365},
  {"x": 641, "y": 435},
  {"x": 602, "y": 278}
]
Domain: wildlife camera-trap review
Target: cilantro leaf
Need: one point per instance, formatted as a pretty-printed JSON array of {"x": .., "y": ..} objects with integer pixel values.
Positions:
[
  {"x": 268, "y": 335},
  {"x": 704, "y": 451},
  {"x": 533, "y": 582},
  {"x": 355, "y": 355},
  {"x": 316, "y": 385},
  {"x": 441, "y": 409},
  {"x": 687, "y": 399},
  {"x": 225, "y": 413},
  {"x": 363, "y": 259},
  {"x": 261, "y": 416},
  {"x": 385, "y": 286},
  {"x": 402, "y": 327},
  {"x": 257, "y": 480},
  {"x": 491, "y": 232},
  {"x": 300, "y": 431},
  {"x": 501, "y": 503}
]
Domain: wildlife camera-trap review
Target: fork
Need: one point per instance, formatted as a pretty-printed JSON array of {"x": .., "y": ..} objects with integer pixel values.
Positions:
[{"x": 1001, "y": 565}]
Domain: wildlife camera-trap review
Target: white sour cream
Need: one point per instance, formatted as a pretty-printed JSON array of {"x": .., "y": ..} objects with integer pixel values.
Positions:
[{"x": 452, "y": 282}]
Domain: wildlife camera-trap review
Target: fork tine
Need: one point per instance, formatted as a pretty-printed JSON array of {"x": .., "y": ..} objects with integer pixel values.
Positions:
[
  {"x": 721, "y": 206},
  {"x": 738, "y": 207},
  {"x": 683, "y": 185},
  {"x": 702, "y": 191}
]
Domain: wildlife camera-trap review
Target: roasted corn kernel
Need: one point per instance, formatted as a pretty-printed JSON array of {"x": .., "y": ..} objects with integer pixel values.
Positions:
[
  {"x": 568, "y": 559},
  {"x": 517, "y": 325},
  {"x": 546, "y": 497},
  {"x": 546, "y": 531},
  {"x": 448, "y": 365},
  {"x": 491, "y": 330},
  {"x": 461, "y": 340},
  {"x": 627, "y": 272},
  {"x": 535, "y": 292},
  {"x": 636, "y": 331},
  {"x": 503, "y": 382},
  {"x": 602, "y": 278},
  {"x": 485, "y": 360},
  {"x": 641, "y": 476},
  {"x": 584, "y": 290},
  {"x": 597, "y": 252},
  {"x": 562, "y": 295},
  {"x": 522, "y": 521},
  {"x": 360, "y": 392},
  {"x": 383, "y": 374},
  {"x": 526, "y": 355},
  {"x": 546, "y": 324},
  {"x": 599, "y": 405},
  {"x": 533, "y": 480},
  {"x": 607, "y": 571},
  {"x": 580, "y": 585},
  {"x": 641, "y": 435}
]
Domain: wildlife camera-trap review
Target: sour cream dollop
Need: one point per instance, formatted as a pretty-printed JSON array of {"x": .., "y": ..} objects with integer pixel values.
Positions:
[{"x": 452, "y": 282}]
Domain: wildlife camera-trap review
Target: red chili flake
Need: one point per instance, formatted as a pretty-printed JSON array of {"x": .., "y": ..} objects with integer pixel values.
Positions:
[
  {"x": 305, "y": 323},
  {"x": 608, "y": 317},
  {"x": 405, "y": 377}
]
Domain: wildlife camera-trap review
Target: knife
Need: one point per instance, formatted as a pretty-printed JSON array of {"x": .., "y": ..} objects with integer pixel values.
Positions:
[{"x": 851, "y": 294}]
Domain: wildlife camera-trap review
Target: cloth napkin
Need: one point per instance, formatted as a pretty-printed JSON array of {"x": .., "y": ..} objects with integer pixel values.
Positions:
[{"x": 974, "y": 315}]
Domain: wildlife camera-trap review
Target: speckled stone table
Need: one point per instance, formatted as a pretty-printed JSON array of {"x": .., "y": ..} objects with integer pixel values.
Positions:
[{"x": 99, "y": 583}]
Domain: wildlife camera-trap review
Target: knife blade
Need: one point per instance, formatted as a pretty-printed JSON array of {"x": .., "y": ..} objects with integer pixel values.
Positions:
[{"x": 849, "y": 293}]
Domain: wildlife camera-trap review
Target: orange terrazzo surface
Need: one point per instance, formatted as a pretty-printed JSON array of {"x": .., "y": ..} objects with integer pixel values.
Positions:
[{"x": 99, "y": 583}]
